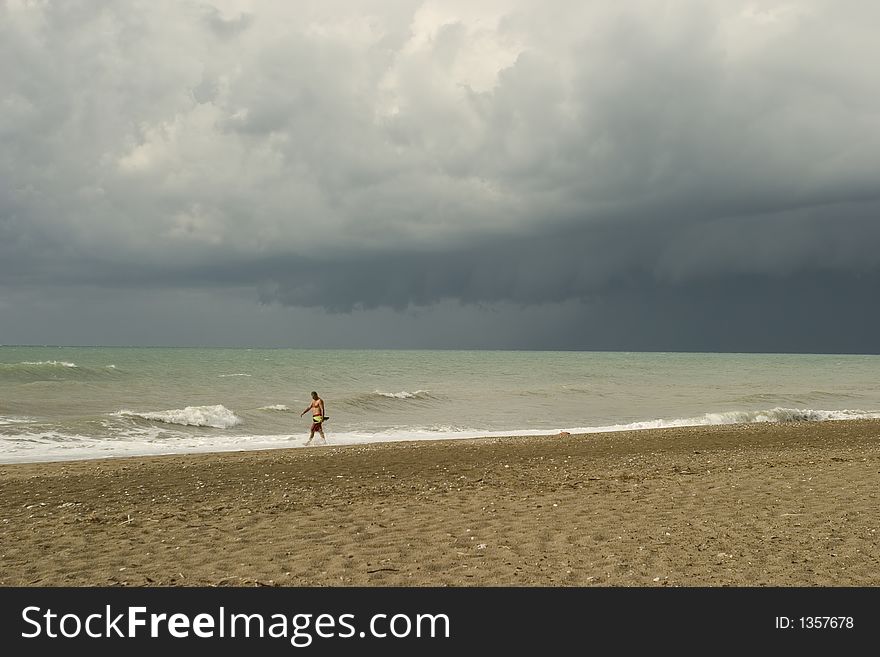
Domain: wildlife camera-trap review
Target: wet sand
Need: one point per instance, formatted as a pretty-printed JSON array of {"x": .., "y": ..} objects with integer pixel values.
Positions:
[{"x": 750, "y": 505}]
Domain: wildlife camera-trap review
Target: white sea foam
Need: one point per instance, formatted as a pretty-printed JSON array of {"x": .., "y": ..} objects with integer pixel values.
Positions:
[
  {"x": 274, "y": 407},
  {"x": 217, "y": 416},
  {"x": 226, "y": 376},
  {"x": 55, "y": 446},
  {"x": 50, "y": 363}
]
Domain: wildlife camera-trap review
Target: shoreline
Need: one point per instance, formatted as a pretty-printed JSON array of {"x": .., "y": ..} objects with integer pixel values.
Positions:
[{"x": 789, "y": 504}]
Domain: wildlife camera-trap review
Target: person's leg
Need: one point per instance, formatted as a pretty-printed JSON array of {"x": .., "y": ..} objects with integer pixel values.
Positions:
[{"x": 322, "y": 434}]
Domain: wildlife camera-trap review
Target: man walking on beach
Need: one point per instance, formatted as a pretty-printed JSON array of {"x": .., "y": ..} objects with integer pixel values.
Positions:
[{"x": 318, "y": 417}]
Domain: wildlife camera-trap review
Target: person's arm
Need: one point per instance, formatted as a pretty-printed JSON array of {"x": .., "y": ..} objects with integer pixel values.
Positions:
[{"x": 306, "y": 411}]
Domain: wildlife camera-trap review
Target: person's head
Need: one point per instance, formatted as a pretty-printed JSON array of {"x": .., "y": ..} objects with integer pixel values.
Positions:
[{"x": 314, "y": 395}]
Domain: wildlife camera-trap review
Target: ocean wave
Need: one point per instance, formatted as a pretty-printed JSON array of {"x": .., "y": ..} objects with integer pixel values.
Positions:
[
  {"x": 218, "y": 417},
  {"x": 403, "y": 394},
  {"x": 6, "y": 420},
  {"x": 777, "y": 414},
  {"x": 274, "y": 407},
  {"x": 796, "y": 398},
  {"x": 379, "y": 399},
  {"x": 226, "y": 376},
  {"x": 34, "y": 367},
  {"x": 52, "y": 370}
]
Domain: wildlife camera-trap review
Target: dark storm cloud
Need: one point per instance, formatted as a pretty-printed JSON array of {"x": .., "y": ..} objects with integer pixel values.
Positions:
[
  {"x": 577, "y": 263},
  {"x": 688, "y": 156}
]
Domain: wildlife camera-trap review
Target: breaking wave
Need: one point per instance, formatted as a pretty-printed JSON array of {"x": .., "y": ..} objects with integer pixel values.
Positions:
[{"x": 218, "y": 417}]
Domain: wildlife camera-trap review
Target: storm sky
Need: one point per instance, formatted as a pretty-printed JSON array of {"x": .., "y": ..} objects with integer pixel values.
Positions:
[{"x": 647, "y": 175}]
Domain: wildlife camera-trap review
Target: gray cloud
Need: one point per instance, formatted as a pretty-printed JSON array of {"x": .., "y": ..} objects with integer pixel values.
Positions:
[
  {"x": 226, "y": 27},
  {"x": 404, "y": 155}
]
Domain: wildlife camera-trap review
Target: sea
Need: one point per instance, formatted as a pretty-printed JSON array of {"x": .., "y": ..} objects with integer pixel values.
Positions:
[{"x": 67, "y": 403}]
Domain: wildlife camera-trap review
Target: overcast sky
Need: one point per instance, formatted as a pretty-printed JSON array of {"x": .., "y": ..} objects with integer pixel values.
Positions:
[{"x": 643, "y": 175}]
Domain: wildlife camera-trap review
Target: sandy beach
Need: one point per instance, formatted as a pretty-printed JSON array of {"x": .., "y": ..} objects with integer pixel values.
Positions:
[{"x": 791, "y": 504}]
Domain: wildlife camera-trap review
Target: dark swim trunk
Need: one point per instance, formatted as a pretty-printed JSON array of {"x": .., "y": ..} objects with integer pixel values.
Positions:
[{"x": 316, "y": 422}]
